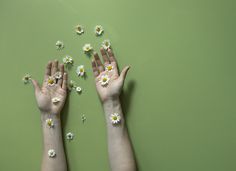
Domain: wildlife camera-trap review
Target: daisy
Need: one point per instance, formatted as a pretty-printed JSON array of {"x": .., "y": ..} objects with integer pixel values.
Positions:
[
  {"x": 80, "y": 70},
  {"x": 83, "y": 118},
  {"x": 50, "y": 123},
  {"x": 79, "y": 29},
  {"x": 51, "y": 153},
  {"x": 58, "y": 75},
  {"x": 59, "y": 45},
  {"x": 115, "y": 118},
  {"x": 87, "y": 48},
  {"x": 56, "y": 100},
  {"x": 68, "y": 60},
  {"x": 98, "y": 30},
  {"x": 104, "y": 80},
  {"x": 51, "y": 81},
  {"x": 109, "y": 68},
  {"x": 106, "y": 44},
  {"x": 26, "y": 79},
  {"x": 78, "y": 89},
  {"x": 69, "y": 136}
]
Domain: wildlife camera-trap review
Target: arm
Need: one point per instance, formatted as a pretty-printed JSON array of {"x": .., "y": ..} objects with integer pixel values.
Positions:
[
  {"x": 51, "y": 99},
  {"x": 109, "y": 85}
]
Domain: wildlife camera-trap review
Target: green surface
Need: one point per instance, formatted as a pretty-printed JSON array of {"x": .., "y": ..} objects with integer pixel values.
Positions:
[{"x": 179, "y": 95}]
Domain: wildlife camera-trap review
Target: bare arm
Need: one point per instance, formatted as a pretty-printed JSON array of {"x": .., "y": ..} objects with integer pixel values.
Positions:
[
  {"x": 109, "y": 84},
  {"x": 51, "y": 99}
]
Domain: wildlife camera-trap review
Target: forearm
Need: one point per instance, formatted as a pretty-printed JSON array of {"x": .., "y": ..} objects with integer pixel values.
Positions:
[
  {"x": 119, "y": 146},
  {"x": 52, "y": 140}
]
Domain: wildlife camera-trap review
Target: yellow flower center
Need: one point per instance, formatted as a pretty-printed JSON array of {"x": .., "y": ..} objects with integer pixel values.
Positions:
[
  {"x": 104, "y": 79},
  {"x": 79, "y": 28},
  {"x": 109, "y": 68},
  {"x": 106, "y": 43},
  {"x": 98, "y": 29},
  {"x": 49, "y": 123},
  {"x": 50, "y": 81},
  {"x": 81, "y": 70},
  {"x": 114, "y": 118}
]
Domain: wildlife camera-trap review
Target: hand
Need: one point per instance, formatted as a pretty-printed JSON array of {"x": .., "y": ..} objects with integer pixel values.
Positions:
[
  {"x": 45, "y": 94},
  {"x": 113, "y": 88}
]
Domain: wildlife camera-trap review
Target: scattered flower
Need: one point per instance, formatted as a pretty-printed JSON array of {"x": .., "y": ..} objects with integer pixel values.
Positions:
[
  {"x": 106, "y": 44},
  {"x": 80, "y": 70},
  {"x": 104, "y": 80},
  {"x": 58, "y": 75},
  {"x": 83, "y": 118},
  {"x": 26, "y": 79},
  {"x": 56, "y": 100},
  {"x": 79, "y": 29},
  {"x": 50, "y": 123},
  {"x": 51, "y": 153},
  {"x": 115, "y": 118},
  {"x": 71, "y": 85},
  {"x": 68, "y": 60},
  {"x": 51, "y": 81},
  {"x": 78, "y": 89},
  {"x": 59, "y": 45},
  {"x": 69, "y": 136},
  {"x": 109, "y": 67},
  {"x": 87, "y": 48},
  {"x": 98, "y": 30}
]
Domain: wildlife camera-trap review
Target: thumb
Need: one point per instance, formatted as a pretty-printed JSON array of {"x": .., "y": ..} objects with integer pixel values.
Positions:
[
  {"x": 124, "y": 73},
  {"x": 36, "y": 85}
]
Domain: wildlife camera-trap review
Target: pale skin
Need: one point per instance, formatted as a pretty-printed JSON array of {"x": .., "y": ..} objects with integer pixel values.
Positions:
[{"x": 120, "y": 151}]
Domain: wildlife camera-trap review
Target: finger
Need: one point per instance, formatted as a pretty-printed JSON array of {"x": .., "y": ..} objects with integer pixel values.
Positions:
[
  {"x": 124, "y": 73},
  {"x": 35, "y": 85},
  {"x": 111, "y": 56},
  {"x": 98, "y": 62},
  {"x": 54, "y": 67},
  {"x": 48, "y": 70},
  {"x": 61, "y": 69},
  {"x": 95, "y": 69},
  {"x": 104, "y": 56},
  {"x": 65, "y": 80}
]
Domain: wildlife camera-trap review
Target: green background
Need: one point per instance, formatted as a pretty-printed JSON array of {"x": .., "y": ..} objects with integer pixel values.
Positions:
[{"x": 179, "y": 96}]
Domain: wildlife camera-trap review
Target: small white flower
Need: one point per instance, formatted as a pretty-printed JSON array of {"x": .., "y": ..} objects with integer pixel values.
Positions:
[
  {"x": 56, "y": 100},
  {"x": 87, "y": 48},
  {"x": 51, "y": 81},
  {"x": 83, "y": 118},
  {"x": 115, "y": 118},
  {"x": 51, "y": 153},
  {"x": 80, "y": 70},
  {"x": 78, "y": 89},
  {"x": 68, "y": 60},
  {"x": 50, "y": 123},
  {"x": 106, "y": 44},
  {"x": 69, "y": 136},
  {"x": 26, "y": 79},
  {"x": 58, "y": 75},
  {"x": 79, "y": 29},
  {"x": 59, "y": 45},
  {"x": 109, "y": 68},
  {"x": 98, "y": 30},
  {"x": 104, "y": 80}
]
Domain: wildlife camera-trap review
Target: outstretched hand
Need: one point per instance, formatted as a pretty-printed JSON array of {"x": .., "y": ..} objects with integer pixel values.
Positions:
[
  {"x": 52, "y": 94},
  {"x": 115, "y": 81}
]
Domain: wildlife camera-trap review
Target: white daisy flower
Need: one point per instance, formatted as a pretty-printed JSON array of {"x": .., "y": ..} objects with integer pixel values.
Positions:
[
  {"x": 58, "y": 75},
  {"x": 83, "y": 118},
  {"x": 59, "y": 45},
  {"x": 50, "y": 123},
  {"x": 109, "y": 68},
  {"x": 80, "y": 70},
  {"x": 87, "y": 48},
  {"x": 104, "y": 80},
  {"x": 51, "y": 81},
  {"x": 69, "y": 136},
  {"x": 79, "y": 29},
  {"x": 78, "y": 89},
  {"x": 51, "y": 153},
  {"x": 26, "y": 79},
  {"x": 115, "y": 118},
  {"x": 98, "y": 30},
  {"x": 106, "y": 44},
  {"x": 68, "y": 60},
  {"x": 56, "y": 100}
]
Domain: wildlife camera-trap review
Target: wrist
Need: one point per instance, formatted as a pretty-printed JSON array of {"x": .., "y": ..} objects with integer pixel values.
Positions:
[{"x": 47, "y": 115}]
